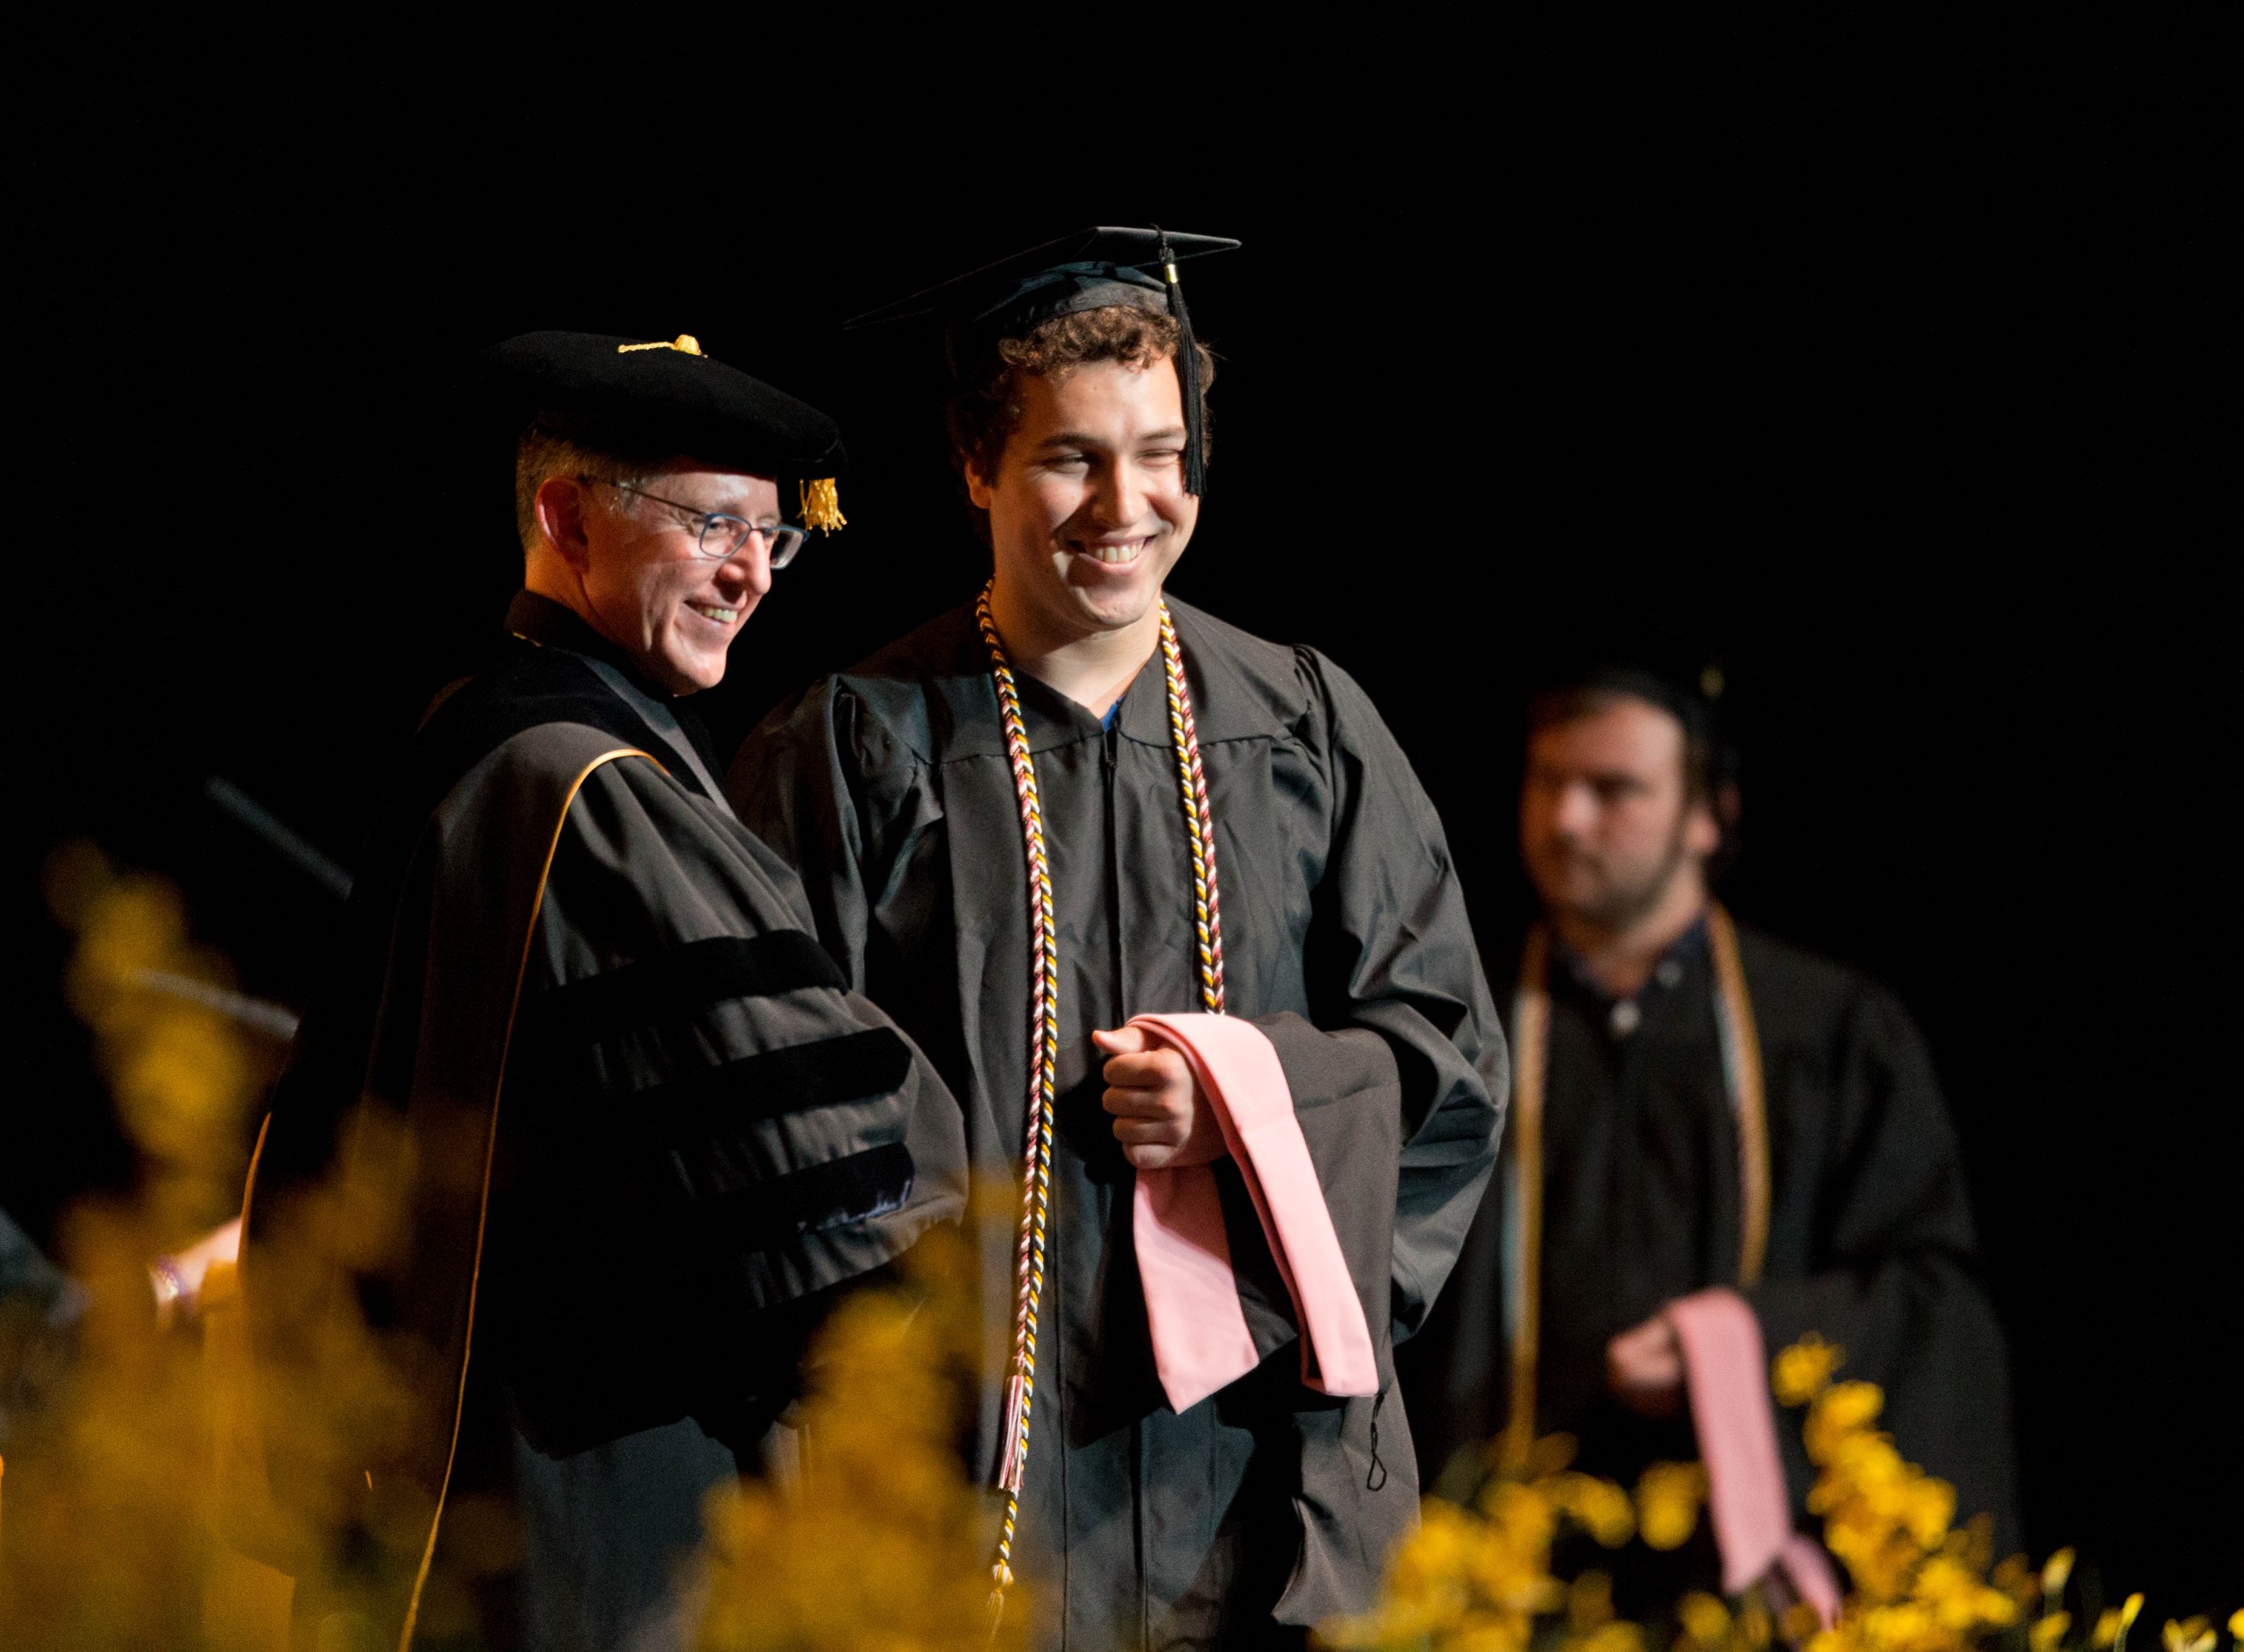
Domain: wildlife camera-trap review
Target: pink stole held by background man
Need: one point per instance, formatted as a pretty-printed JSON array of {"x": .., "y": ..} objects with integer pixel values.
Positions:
[
  {"x": 1200, "y": 1338},
  {"x": 1747, "y": 1500}
]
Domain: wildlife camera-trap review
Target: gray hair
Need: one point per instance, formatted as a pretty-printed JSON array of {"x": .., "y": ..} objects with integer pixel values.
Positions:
[{"x": 540, "y": 455}]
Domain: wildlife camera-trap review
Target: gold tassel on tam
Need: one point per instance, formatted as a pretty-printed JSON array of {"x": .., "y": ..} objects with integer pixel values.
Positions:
[
  {"x": 684, "y": 343},
  {"x": 822, "y": 506}
]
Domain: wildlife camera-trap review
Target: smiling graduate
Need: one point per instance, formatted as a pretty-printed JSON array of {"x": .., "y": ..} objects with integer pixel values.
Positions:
[
  {"x": 637, "y": 1129},
  {"x": 1073, "y": 801}
]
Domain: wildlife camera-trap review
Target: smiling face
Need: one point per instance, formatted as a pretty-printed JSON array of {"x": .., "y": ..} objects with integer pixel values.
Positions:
[
  {"x": 633, "y": 570},
  {"x": 1088, "y": 511}
]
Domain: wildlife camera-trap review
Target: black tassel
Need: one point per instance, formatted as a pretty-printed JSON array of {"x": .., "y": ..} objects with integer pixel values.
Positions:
[
  {"x": 1375, "y": 1479},
  {"x": 1188, "y": 374}
]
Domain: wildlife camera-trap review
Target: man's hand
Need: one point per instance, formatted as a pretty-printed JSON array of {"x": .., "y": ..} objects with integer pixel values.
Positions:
[
  {"x": 1160, "y": 1118},
  {"x": 1644, "y": 1368}
]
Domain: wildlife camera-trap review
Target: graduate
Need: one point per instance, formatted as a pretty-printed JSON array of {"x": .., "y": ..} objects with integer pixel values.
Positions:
[
  {"x": 1072, "y": 802},
  {"x": 608, "y": 1126},
  {"x": 1717, "y": 1136}
]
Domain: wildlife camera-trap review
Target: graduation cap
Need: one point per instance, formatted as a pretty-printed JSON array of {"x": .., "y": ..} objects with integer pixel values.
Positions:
[
  {"x": 1689, "y": 693},
  {"x": 635, "y": 396},
  {"x": 1091, "y": 269}
]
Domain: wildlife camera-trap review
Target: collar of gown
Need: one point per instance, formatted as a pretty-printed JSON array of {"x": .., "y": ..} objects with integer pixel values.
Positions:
[
  {"x": 1231, "y": 700},
  {"x": 541, "y": 620},
  {"x": 1685, "y": 950}
]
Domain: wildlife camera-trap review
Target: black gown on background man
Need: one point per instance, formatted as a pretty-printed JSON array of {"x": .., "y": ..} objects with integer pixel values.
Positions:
[
  {"x": 1346, "y": 942},
  {"x": 1871, "y": 1238},
  {"x": 612, "y": 1123}
]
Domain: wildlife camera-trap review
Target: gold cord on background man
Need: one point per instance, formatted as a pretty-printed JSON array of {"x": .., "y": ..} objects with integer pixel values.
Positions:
[{"x": 1742, "y": 1077}]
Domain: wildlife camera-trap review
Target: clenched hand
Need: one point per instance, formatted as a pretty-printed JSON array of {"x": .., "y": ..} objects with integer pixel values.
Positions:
[{"x": 1160, "y": 1118}]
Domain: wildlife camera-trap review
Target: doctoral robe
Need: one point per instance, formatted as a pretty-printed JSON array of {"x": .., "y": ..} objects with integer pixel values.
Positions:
[
  {"x": 1871, "y": 1239},
  {"x": 616, "y": 1127},
  {"x": 1269, "y": 1506}
]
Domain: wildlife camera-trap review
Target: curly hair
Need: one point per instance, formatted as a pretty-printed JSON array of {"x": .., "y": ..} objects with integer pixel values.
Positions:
[{"x": 987, "y": 409}]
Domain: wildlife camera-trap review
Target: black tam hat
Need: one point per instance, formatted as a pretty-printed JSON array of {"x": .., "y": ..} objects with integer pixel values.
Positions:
[
  {"x": 1091, "y": 269},
  {"x": 634, "y": 397}
]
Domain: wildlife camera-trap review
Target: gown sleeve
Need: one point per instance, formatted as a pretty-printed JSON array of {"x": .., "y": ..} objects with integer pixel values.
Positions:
[
  {"x": 836, "y": 796},
  {"x": 705, "y": 1132},
  {"x": 1893, "y": 1270},
  {"x": 1402, "y": 1018}
]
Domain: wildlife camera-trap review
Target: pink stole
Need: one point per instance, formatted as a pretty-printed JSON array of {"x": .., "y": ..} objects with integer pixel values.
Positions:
[
  {"x": 1200, "y": 1338},
  {"x": 1728, "y": 1377}
]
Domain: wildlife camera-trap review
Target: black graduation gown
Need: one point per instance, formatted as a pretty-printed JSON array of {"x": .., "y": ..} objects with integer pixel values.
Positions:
[
  {"x": 701, "y": 1132},
  {"x": 1870, "y": 1238},
  {"x": 1345, "y": 942}
]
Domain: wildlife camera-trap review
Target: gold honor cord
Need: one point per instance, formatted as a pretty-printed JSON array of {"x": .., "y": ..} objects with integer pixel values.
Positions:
[
  {"x": 1742, "y": 1077},
  {"x": 1740, "y": 1060},
  {"x": 1044, "y": 1024},
  {"x": 1530, "y": 1023}
]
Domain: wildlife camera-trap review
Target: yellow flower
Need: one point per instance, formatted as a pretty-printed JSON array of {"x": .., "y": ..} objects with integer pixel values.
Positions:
[
  {"x": 1958, "y": 1600},
  {"x": 2055, "y": 1571},
  {"x": 2048, "y": 1634},
  {"x": 1598, "y": 1506},
  {"x": 1842, "y": 1410},
  {"x": 1611, "y": 1637},
  {"x": 1589, "y": 1602},
  {"x": 1926, "y": 1507},
  {"x": 1667, "y": 1502},
  {"x": 1803, "y": 1371},
  {"x": 2015, "y": 1578},
  {"x": 2107, "y": 1630},
  {"x": 2129, "y": 1609},
  {"x": 1800, "y": 1620},
  {"x": 2236, "y": 1624},
  {"x": 1704, "y": 1620},
  {"x": 2192, "y": 1634}
]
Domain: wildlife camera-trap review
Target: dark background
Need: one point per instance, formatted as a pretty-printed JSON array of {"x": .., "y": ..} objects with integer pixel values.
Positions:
[{"x": 1882, "y": 373}]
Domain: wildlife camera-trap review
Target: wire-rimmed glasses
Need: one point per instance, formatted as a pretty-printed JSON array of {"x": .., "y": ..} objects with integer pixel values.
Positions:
[{"x": 720, "y": 535}]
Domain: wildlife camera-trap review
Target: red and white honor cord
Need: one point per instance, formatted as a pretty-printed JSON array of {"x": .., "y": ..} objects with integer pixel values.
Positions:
[{"x": 1044, "y": 1019}]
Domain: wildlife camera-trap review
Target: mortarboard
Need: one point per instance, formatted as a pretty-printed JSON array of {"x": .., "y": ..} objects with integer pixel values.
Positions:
[
  {"x": 1690, "y": 697},
  {"x": 638, "y": 397},
  {"x": 1090, "y": 269}
]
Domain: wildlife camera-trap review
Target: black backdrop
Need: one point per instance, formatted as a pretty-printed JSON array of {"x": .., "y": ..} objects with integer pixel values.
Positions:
[{"x": 1896, "y": 401}]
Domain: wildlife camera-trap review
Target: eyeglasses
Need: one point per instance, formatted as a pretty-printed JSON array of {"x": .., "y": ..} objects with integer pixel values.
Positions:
[{"x": 722, "y": 535}]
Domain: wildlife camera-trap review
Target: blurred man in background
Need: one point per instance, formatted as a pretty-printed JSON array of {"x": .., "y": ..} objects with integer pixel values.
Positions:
[{"x": 1707, "y": 1121}]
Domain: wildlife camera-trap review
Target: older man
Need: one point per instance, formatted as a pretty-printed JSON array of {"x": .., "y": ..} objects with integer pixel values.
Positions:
[
  {"x": 1078, "y": 802},
  {"x": 600, "y": 1109},
  {"x": 1710, "y": 1122}
]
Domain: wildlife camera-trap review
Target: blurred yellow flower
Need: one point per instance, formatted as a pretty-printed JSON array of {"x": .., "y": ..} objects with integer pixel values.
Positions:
[
  {"x": 1843, "y": 1410},
  {"x": 1668, "y": 1497},
  {"x": 1598, "y": 1506},
  {"x": 886, "y": 1541},
  {"x": 1704, "y": 1620},
  {"x": 1589, "y": 1602},
  {"x": 1479, "y": 1577},
  {"x": 1803, "y": 1371},
  {"x": 2192, "y": 1634},
  {"x": 1611, "y": 1637},
  {"x": 2112, "y": 1628}
]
